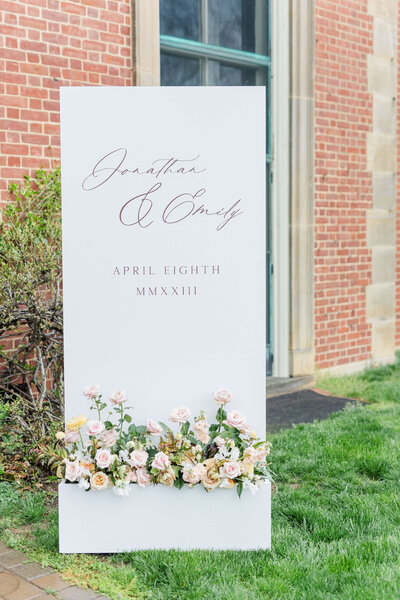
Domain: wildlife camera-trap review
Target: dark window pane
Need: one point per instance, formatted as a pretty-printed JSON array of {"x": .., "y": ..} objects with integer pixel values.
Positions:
[
  {"x": 239, "y": 24},
  {"x": 222, "y": 74},
  {"x": 179, "y": 70},
  {"x": 180, "y": 18}
]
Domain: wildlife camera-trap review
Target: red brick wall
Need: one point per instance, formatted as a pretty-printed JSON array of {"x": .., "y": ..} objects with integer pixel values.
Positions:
[
  {"x": 343, "y": 187},
  {"x": 45, "y": 44}
]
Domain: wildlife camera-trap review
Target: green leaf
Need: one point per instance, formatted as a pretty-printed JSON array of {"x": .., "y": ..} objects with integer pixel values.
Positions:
[
  {"x": 128, "y": 418},
  {"x": 164, "y": 426},
  {"x": 179, "y": 483},
  {"x": 239, "y": 488}
]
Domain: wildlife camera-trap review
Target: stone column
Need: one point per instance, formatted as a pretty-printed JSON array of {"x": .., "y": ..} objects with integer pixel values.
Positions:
[
  {"x": 302, "y": 188},
  {"x": 146, "y": 44},
  {"x": 381, "y": 161}
]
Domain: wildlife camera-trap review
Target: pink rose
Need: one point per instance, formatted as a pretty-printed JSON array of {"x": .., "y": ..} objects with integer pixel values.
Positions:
[
  {"x": 192, "y": 474},
  {"x": 91, "y": 391},
  {"x": 73, "y": 470},
  {"x": 231, "y": 470},
  {"x": 95, "y": 427},
  {"x": 237, "y": 419},
  {"x": 153, "y": 427},
  {"x": 138, "y": 458},
  {"x": 219, "y": 441},
  {"x": 131, "y": 476},
  {"x": 103, "y": 458},
  {"x": 161, "y": 461},
  {"x": 223, "y": 396},
  {"x": 109, "y": 437},
  {"x": 180, "y": 414},
  {"x": 118, "y": 397},
  {"x": 71, "y": 436},
  {"x": 143, "y": 477}
]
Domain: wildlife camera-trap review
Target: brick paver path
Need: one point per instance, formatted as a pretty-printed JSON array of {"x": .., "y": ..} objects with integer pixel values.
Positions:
[{"x": 20, "y": 580}]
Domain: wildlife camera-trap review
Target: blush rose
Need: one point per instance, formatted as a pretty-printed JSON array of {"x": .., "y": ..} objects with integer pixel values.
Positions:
[
  {"x": 103, "y": 458},
  {"x": 180, "y": 414},
  {"x": 161, "y": 461}
]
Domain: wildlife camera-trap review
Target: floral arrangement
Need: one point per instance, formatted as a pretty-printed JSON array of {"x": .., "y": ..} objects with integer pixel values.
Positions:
[{"x": 114, "y": 452}]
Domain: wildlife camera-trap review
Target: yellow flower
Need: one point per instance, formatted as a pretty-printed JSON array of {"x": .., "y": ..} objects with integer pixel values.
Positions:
[
  {"x": 76, "y": 423},
  {"x": 247, "y": 468},
  {"x": 60, "y": 435},
  {"x": 253, "y": 434}
]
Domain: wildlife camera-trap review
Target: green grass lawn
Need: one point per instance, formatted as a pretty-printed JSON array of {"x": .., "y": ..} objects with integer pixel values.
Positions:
[{"x": 335, "y": 518}]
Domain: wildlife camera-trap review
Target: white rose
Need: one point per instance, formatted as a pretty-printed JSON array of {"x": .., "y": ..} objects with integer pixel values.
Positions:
[
  {"x": 180, "y": 414},
  {"x": 73, "y": 470},
  {"x": 223, "y": 396},
  {"x": 219, "y": 441},
  {"x": 118, "y": 397},
  {"x": 91, "y": 391}
]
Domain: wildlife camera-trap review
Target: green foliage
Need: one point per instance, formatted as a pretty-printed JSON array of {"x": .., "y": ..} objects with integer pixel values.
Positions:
[
  {"x": 376, "y": 384},
  {"x": 31, "y": 303}
]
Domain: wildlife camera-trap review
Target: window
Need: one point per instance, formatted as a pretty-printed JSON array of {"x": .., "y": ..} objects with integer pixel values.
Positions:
[{"x": 221, "y": 42}]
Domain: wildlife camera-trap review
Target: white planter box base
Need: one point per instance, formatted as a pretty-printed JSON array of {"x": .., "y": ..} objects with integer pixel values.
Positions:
[{"x": 163, "y": 518}]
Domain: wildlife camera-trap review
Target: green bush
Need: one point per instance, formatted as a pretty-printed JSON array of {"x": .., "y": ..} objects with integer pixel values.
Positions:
[{"x": 31, "y": 307}]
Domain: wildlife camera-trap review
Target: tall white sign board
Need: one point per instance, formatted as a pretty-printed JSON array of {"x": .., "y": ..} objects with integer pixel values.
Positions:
[{"x": 164, "y": 287}]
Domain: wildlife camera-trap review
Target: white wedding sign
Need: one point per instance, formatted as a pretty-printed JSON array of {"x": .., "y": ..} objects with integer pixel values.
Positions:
[{"x": 163, "y": 193}]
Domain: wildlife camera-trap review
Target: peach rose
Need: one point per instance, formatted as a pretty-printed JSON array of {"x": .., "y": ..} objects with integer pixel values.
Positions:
[
  {"x": 143, "y": 477},
  {"x": 108, "y": 438},
  {"x": 118, "y": 397},
  {"x": 153, "y": 427},
  {"x": 180, "y": 414},
  {"x": 138, "y": 458},
  {"x": 210, "y": 479},
  {"x": 95, "y": 427},
  {"x": 223, "y": 397},
  {"x": 103, "y": 458},
  {"x": 237, "y": 419},
  {"x": 231, "y": 470},
  {"x": 99, "y": 481},
  {"x": 71, "y": 437},
  {"x": 167, "y": 477},
  {"x": 161, "y": 461},
  {"x": 73, "y": 470},
  {"x": 91, "y": 391}
]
